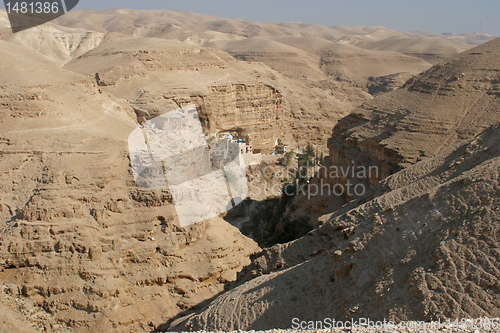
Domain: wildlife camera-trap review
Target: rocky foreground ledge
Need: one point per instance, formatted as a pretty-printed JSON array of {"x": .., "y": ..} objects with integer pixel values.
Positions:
[{"x": 467, "y": 326}]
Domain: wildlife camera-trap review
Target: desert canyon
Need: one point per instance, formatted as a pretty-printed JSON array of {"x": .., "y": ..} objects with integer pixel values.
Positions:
[{"x": 84, "y": 249}]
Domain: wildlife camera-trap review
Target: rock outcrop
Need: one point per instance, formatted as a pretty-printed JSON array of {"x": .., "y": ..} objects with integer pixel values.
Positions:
[
  {"x": 200, "y": 28},
  {"x": 81, "y": 241},
  {"x": 384, "y": 84},
  {"x": 255, "y": 109}
]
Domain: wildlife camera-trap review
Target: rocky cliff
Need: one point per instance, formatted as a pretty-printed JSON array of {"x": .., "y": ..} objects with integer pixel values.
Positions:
[
  {"x": 243, "y": 108},
  {"x": 255, "y": 109}
]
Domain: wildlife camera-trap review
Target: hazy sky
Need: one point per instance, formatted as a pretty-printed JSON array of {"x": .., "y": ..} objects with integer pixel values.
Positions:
[{"x": 459, "y": 16}]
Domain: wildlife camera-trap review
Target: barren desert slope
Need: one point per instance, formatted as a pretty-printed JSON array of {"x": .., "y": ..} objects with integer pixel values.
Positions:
[{"x": 422, "y": 244}]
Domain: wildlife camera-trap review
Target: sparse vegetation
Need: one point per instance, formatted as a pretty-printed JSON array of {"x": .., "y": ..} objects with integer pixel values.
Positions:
[
  {"x": 287, "y": 160},
  {"x": 279, "y": 228},
  {"x": 306, "y": 161}
]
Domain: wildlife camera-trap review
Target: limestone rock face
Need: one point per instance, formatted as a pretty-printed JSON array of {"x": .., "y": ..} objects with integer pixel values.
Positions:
[
  {"x": 347, "y": 151},
  {"x": 243, "y": 108},
  {"x": 255, "y": 109},
  {"x": 78, "y": 238}
]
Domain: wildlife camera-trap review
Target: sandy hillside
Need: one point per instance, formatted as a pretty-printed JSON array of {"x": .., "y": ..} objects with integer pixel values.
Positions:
[
  {"x": 247, "y": 39},
  {"x": 57, "y": 42},
  {"x": 422, "y": 244},
  {"x": 306, "y": 58},
  {"x": 432, "y": 50},
  {"x": 448, "y": 103},
  {"x": 288, "y": 60}
]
